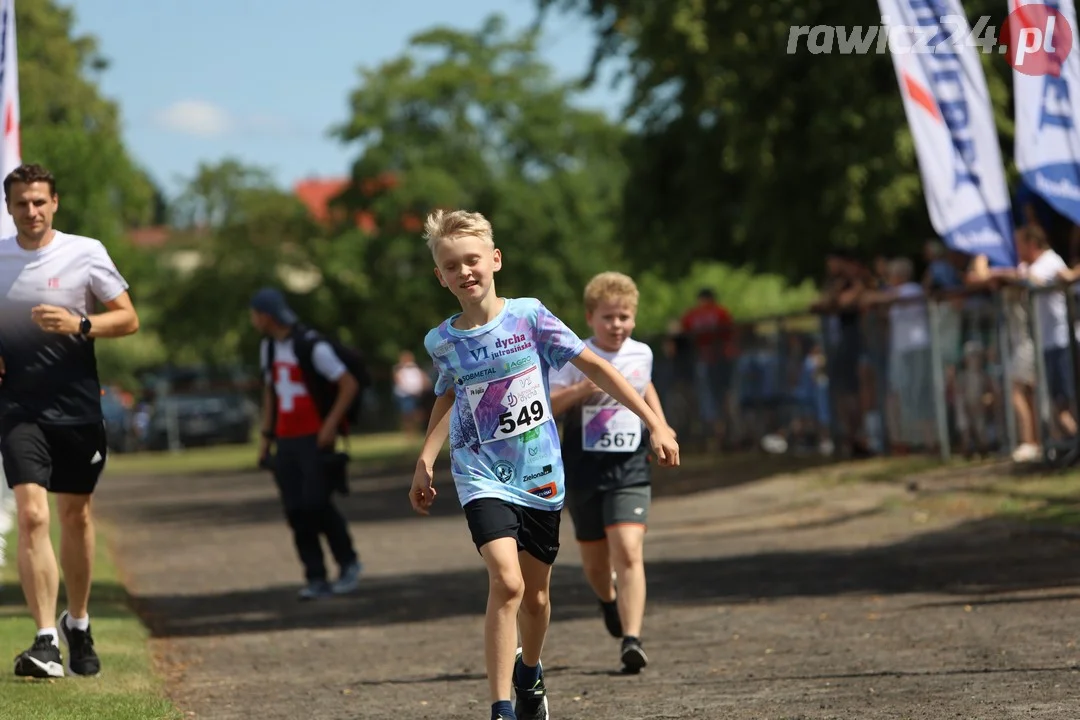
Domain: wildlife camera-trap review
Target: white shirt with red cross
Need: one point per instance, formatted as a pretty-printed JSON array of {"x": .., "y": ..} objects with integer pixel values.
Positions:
[{"x": 297, "y": 415}]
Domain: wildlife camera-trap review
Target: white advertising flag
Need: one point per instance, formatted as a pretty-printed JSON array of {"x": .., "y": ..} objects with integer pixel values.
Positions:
[
  {"x": 10, "y": 147},
  {"x": 948, "y": 110},
  {"x": 1046, "y": 85}
]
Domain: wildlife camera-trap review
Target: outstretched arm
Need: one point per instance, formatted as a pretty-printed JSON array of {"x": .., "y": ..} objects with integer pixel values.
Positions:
[{"x": 608, "y": 379}]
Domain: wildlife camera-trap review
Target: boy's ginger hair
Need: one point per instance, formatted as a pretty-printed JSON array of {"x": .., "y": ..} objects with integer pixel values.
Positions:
[
  {"x": 613, "y": 287},
  {"x": 443, "y": 224}
]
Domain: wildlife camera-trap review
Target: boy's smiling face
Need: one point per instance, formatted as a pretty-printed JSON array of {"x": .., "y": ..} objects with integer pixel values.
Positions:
[{"x": 467, "y": 265}]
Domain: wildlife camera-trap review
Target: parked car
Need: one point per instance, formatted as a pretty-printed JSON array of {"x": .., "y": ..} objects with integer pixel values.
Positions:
[
  {"x": 119, "y": 431},
  {"x": 190, "y": 405},
  {"x": 200, "y": 419}
]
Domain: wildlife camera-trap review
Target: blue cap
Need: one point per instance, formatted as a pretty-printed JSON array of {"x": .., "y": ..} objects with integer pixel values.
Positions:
[{"x": 271, "y": 302}]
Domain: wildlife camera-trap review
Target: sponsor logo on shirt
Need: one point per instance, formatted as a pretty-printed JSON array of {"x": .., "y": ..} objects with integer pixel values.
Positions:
[
  {"x": 546, "y": 470},
  {"x": 474, "y": 375}
]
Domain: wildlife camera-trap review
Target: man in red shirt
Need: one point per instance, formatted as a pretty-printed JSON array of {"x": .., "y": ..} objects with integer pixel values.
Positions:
[
  {"x": 710, "y": 326},
  {"x": 305, "y": 436}
]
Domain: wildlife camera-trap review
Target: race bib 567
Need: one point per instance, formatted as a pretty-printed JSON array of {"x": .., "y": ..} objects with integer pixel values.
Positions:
[
  {"x": 609, "y": 428},
  {"x": 509, "y": 406}
]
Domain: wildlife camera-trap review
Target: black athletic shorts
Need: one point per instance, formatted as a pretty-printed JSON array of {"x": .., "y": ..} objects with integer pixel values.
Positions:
[
  {"x": 536, "y": 531},
  {"x": 60, "y": 458},
  {"x": 594, "y": 511}
]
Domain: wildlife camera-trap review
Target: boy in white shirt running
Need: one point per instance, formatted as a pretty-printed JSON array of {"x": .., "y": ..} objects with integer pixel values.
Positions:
[{"x": 605, "y": 451}]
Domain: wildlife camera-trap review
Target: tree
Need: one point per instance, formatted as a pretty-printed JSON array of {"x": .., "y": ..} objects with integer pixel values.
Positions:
[
  {"x": 236, "y": 233},
  {"x": 470, "y": 120},
  {"x": 750, "y": 154},
  {"x": 70, "y": 128}
]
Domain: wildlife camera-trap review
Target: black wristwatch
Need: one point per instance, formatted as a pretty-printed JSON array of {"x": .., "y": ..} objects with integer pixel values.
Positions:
[{"x": 84, "y": 325}]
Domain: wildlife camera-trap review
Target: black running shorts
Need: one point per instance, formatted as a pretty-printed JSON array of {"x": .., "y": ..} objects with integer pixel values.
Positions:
[
  {"x": 60, "y": 458},
  {"x": 536, "y": 531},
  {"x": 594, "y": 511}
]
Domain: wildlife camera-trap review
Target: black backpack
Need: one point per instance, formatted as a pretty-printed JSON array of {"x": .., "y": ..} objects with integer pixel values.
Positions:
[{"x": 323, "y": 392}]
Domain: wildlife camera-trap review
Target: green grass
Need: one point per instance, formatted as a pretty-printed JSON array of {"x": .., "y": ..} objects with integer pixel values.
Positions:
[
  {"x": 1041, "y": 499},
  {"x": 1049, "y": 499},
  {"x": 376, "y": 449},
  {"x": 127, "y": 688},
  {"x": 878, "y": 470}
]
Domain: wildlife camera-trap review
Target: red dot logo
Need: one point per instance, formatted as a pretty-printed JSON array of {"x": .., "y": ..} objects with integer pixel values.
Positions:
[{"x": 1036, "y": 38}]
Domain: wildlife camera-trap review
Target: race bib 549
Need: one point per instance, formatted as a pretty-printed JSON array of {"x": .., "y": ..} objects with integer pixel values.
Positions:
[{"x": 509, "y": 406}]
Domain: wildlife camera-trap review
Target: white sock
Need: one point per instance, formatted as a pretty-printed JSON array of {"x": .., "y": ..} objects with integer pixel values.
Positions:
[
  {"x": 78, "y": 623},
  {"x": 51, "y": 634}
]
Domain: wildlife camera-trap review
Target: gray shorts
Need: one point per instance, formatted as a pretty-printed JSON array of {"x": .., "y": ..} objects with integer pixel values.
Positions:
[{"x": 593, "y": 511}]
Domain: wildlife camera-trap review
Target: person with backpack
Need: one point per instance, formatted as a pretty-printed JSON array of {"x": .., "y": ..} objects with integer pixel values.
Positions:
[{"x": 311, "y": 383}]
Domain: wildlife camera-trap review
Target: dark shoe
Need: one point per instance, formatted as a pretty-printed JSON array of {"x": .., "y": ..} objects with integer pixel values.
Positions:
[
  {"x": 633, "y": 656},
  {"x": 315, "y": 590},
  {"x": 82, "y": 660},
  {"x": 611, "y": 618},
  {"x": 532, "y": 703},
  {"x": 42, "y": 660},
  {"x": 349, "y": 582}
]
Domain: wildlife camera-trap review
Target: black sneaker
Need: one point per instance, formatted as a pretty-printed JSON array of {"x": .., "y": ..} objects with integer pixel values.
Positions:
[
  {"x": 633, "y": 656},
  {"x": 82, "y": 660},
  {"x": 532, "y": 703},
  {"x": 42, "y": 660},
  {"x": 611, "y": 618}
]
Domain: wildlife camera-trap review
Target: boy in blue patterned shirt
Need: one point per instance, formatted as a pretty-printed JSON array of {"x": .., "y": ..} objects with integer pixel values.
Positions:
[{"x": 493, "y": 403}]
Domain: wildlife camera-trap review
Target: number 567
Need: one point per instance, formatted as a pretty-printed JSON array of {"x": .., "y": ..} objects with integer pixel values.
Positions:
[{"x": 618, "y": 440}]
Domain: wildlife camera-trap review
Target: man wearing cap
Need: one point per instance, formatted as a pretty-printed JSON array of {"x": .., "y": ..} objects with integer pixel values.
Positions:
[{"x": 304, "y": 440}]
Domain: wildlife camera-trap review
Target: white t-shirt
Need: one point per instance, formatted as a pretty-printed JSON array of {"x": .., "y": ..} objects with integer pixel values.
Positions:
[
  {"x": 634, "y": 361},
  {"x": 50, "y": 377},
  {"x": 323, "y": 357},
  {"x": 601, "y": 423},
  {"x": 1050, "y": 306},
  {"x": 909, "y": 324},
  {"x": 409, "y": 380}
]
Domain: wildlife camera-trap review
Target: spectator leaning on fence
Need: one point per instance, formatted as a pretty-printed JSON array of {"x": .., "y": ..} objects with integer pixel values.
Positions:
[
  {"x": 1039, "y": 266},
  {"x": 844, "y": 285},
  {"x": 910, "y": 401},
  {"x": 1042, "y": 266}
]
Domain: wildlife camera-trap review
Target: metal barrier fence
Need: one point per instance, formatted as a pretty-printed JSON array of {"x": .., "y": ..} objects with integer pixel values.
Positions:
[{"x": 952, "y": 373}]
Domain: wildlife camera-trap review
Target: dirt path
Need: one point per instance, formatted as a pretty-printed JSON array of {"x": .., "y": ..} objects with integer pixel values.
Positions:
[{"x": 779, "y": 598}]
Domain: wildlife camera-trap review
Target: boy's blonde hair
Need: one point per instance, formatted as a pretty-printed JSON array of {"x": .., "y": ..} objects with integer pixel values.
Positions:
[
  {"x": 444, "y": 224},
  {"x": 613, "y": 287}
]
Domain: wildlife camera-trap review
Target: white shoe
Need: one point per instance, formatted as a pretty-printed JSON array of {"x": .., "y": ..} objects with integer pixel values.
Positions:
[
  {"x": 1026, "y": 453},
  {"x": 774, "y": 444}
]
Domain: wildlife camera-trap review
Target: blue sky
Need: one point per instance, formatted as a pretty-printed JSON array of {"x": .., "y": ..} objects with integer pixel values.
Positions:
[{"x": 270, "y": 77}]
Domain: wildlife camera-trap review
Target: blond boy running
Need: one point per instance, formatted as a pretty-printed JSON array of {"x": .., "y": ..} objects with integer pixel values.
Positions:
[
  {"x": 493, "y": 360},
  {"x": 605, "y": 451}
]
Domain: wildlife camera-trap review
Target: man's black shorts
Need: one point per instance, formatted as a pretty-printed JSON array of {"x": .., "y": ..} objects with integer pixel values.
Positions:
[
  {"x": 536, "y": 531},
  {"x": 60, "y": 458}
]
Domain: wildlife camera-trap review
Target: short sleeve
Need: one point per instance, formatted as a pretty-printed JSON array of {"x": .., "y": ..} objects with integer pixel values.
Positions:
[
  {"x": 564, "y": 377},
  {"x": 1045, "y": 270},
  {"x": 106, "y": 282},
  {"x": 326, "y": 361},
  {"x": 443, "y": 381},
  {"x": 263, "y": 352},
  {"x": 556, "y": 343}
]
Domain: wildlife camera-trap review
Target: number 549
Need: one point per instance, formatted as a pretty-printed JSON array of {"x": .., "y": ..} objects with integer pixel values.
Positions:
[{"x": 528, "y": 415}]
